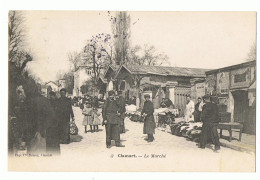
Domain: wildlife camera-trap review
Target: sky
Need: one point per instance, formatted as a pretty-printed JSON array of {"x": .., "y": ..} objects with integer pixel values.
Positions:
[{"x": 191, "y": 39}]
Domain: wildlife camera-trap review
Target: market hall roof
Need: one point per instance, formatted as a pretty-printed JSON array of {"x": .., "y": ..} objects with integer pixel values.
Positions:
[
  {"x": 233, "y": 67},
  {"x": 111, "y": 70},
  {"x": 163, "y": 70}
]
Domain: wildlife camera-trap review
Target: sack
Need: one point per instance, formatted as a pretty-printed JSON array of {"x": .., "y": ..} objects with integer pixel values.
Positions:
[{"x": 73, "y": 128}]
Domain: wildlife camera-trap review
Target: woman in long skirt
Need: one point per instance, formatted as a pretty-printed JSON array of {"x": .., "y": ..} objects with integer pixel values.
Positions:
[
  {"x": 149, "y": 122},
  {"x": 88, "y": 116}
]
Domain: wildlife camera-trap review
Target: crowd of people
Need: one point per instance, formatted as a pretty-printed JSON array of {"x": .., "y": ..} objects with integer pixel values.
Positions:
[
  {"x": 205, "y": 111},
  {"x": 38, "y": 124},
  {"x": 41, "y": 124}
]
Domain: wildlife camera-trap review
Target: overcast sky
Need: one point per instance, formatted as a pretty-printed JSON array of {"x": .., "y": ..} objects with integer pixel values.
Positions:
[{"x": 190, "y": 39}]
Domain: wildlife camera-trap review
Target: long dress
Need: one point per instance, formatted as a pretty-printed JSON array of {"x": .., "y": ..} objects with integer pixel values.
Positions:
[
  {"x": 149, "y": 122},
  {"x": 88, "y": 119},
  {"x": 96, "y": 118}
]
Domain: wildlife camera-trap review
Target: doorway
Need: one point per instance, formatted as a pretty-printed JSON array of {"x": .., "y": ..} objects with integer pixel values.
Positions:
[{"x": 241, "y": 107}]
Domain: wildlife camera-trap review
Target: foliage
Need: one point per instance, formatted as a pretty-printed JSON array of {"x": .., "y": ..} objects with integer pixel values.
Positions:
[
  {"x": 148, "y": 55},
  {"x": 252, "y": 53},
  {"x": 18, "y": 58},
  {"x": 98, "y": 54},
  {"x": 121, "y": 33}
]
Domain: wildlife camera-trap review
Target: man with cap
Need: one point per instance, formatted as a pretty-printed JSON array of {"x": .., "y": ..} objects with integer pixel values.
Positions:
[
  {"x": 121, "y": 102},
  {"x": 149, "y": 122},
  {"x": 111, "y": 119},
  {"x": 65, "y": 113},
  {"x": 210, "y": 119}
]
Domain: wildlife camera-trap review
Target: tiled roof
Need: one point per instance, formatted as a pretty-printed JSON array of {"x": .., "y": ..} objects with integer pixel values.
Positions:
[{"x": 167, "y": 70}]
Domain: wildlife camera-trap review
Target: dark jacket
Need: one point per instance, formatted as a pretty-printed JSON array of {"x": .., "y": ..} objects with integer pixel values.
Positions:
[
  {"x": 148, "y": 108},
  {"x": 65, "y": 109},
  {"x": 210, "y": 113},
  {"x": 149, "y": 123},
  {"x": 43, "y": 114},
  {"x": 121, "y": 103},
  {"x": 109, "y": 111},
  {"x": 55, "y": 107}
]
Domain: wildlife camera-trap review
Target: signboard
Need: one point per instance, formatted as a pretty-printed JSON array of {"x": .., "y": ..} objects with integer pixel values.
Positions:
[
  {"x": 200, "y": 89},
  {"x": 210, "y": 85},
  {"x": 240, "y": 78},
  {"x": 222, "y": 82}
]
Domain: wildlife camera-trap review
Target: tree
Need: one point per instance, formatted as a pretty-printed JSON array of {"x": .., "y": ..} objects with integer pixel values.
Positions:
[
  {"x": 75, "y": 59},
  {"x": 87, "y": 87},
  {"x": 69, "y": 82},
  {"x": 121, "y": 33},
  {"x": 252, "y": 53},
  {"x": 16, "y": 41},
  {"x": 98, "y": 54},
  {"x": 135, "y": 55},
  {"x": 18, "y": 58},
  {"x": 147, "y": 56},
  {"x": 153, "y": 58}
]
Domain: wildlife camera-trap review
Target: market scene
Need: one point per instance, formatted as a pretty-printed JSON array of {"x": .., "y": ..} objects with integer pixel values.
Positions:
[{"x": 114, "y": 100}]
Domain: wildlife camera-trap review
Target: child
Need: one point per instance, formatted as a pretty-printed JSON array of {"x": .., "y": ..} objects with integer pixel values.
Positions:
[
  {"x": 88, "y": 120},
  {"x": 96, "y": 119}
]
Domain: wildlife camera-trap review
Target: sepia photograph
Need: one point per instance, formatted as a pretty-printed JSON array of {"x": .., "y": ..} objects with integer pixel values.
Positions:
[{"x": 131, "y": 91}]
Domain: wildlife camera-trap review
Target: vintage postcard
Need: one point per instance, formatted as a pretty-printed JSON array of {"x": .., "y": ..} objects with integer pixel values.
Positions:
[{"x": 131, "y": 91}]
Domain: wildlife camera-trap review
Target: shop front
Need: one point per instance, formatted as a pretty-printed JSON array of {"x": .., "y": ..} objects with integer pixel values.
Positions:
[{"x": 232, "y": 87}]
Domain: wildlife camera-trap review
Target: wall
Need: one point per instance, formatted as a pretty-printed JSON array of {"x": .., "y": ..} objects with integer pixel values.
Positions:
[{"x": 80, "y": 77}]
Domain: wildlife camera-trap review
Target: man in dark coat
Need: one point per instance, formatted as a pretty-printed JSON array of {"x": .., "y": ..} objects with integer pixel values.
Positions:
[
  {"x": 111, "y": 118},
  {"x": 149, "y": 122},
  {"x": 121, "y": 102},
  {"x": 210, "y": 119},
  {"x": 65, "y": 113},
  {"x": 44, "y": 117},
  {"x": 52, "y": 133}
]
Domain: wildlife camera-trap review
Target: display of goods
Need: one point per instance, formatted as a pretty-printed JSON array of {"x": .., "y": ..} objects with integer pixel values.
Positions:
[
  {"x": 186, "y": 129},
  {"x": 131, "y": 108}
]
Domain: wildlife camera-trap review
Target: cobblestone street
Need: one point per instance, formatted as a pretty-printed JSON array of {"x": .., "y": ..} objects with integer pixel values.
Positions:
[{"x": 175, "y": 153}]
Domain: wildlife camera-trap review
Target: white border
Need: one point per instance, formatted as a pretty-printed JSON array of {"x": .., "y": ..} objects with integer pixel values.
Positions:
[{"x": 133, "y": 5}]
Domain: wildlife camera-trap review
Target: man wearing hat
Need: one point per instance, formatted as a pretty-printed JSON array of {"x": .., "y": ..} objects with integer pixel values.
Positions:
[
  {"x": 149, "y": 122},
  {"x": 210, "y": 119},
  {"x": 65, "y": 113},
  {"x": 121, "y": 102},
  {"x": 111, "y": 119}
]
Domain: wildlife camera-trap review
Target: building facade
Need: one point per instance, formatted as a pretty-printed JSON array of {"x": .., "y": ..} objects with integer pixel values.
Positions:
[
  {"x": 158, "y": 81},
  {"x": 235, "y": 87}
]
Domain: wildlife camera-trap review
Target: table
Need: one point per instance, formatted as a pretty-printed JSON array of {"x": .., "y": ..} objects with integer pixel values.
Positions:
[{"x": 229, "y": 126}]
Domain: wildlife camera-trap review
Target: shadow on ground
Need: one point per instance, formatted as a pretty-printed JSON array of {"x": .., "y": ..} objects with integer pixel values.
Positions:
[{"x": 75, "y": 138}]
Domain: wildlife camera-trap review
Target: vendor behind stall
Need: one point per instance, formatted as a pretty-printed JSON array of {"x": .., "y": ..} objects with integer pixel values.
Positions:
[{"x": 167, "y": 103}]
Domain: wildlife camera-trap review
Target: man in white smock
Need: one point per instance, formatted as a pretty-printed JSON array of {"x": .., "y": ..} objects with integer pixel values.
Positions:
[{"x": 189, "y": 110}]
